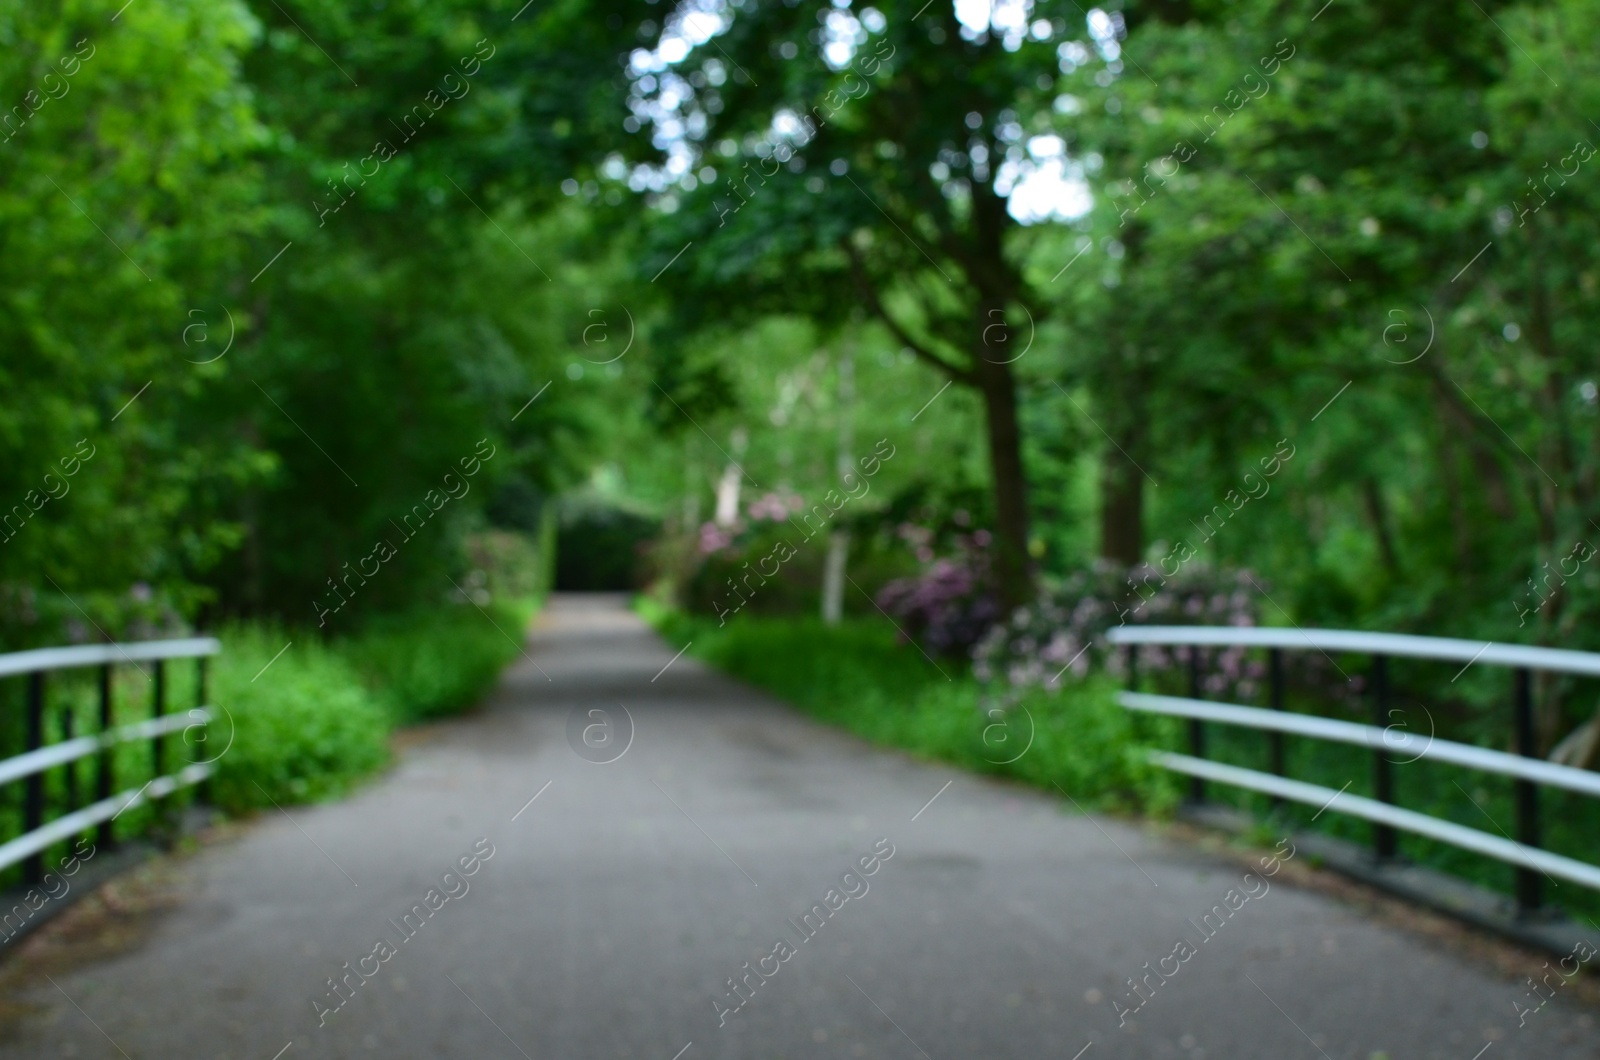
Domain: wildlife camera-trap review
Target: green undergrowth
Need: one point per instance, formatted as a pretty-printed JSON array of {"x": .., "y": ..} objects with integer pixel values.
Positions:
[
  {"x": 859, "y": 676},
  {"x": 317, "y": 719},
  {"x": 304, "y": 726},
  {"x": 433, "y": 663}
]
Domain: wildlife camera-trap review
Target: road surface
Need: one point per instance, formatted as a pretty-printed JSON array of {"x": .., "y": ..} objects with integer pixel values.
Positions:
[{"x": 606, "y": 916}]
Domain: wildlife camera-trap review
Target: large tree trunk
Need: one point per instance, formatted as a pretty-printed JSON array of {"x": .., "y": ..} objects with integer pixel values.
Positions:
[
  {"x": 1121, "y": 509},
  {"x": 1012, "y": 575}
]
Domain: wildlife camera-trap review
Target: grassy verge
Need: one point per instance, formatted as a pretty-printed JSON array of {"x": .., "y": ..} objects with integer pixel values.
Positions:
[
  {"x": 304, "y": 727},
  {"x": 857, "y": 676},
  {"x": 429, "y": 664},
  {"x": 318, "y": 719}
]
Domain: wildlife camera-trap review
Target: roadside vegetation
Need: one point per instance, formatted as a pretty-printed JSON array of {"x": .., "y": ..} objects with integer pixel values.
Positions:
[{"x": 318, "y": 720}]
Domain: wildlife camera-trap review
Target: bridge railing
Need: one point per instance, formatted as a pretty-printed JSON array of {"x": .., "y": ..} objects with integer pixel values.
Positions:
[
  {"x": 1528, "y": 772},
  {"x": 30, "y": 767}
]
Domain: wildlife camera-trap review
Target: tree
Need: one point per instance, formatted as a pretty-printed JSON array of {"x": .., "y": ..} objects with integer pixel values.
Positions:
[{"x": 814, "y": 158}]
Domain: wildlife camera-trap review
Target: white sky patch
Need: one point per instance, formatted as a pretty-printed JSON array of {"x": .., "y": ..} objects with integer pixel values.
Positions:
[
  {"x": 1105, "y": 29},
  {"x": 1044, "y": 185},
  {"x": 1006, "y": 19},
  {"x": 842, "y": 35},
  {"x": 973, "y": 15}
]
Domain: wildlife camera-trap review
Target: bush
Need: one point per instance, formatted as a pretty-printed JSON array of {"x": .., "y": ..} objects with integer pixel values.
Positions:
[
  {"x": 318, "y": 719},
  {"x": 600, "y": 546},
  {"x": 951, "y": 605},
  {"x": 761, "y": 570},
  {"x": 1064, "y": 629},
  {"x": 425, "y": 664},
  {"x": 305, "y": 729}
]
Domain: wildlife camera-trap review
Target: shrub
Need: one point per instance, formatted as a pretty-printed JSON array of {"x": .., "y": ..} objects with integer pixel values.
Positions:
[
  {"x": 600, "y": 545},
  {"x": 951, "y": 605},
  {"x": 305, "y": 729},
  {"x": 762, "y": 569},
  {"x": 318, "y": 719},
  {"x": 424, "y": 664},
  {"x": 1064, "y": 628}
]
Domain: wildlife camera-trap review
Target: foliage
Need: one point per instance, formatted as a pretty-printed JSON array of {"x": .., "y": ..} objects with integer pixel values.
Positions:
[
  {"x": 951, "y": 604},
  {"x": 108, "y": 144},
  {"x": 304, "y": 729},
  {"x": 436, "y": 661},
  {"x": 599, "y": 546},
  {"x": 508, "y": 565},
  {"x": 249, "y": 342},
  {"x": 318, "y": 718},
  {"x": 1064, "y": 631},
  {"x": 817, "y": 130}
]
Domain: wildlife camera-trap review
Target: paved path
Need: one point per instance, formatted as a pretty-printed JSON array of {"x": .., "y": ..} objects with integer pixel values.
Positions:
[{"x": 616, "y": 906}]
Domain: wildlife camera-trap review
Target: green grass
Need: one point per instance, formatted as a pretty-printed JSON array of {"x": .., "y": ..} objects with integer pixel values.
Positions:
[
  {"x": 318, "y": 719},
  {"x": 427, "y": 664},
  {"x": 857, "y": 676},
  {"x": 306, "y": 729}
]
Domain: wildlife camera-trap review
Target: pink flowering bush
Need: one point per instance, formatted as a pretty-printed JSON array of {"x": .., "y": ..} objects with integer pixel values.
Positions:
[
  {"x": 774, "y": 506},
  {"x": 950, "y": 605},
  {"x": 1063, "y": 632}
]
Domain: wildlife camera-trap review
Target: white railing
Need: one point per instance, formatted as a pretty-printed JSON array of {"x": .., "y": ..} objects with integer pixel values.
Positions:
[
  {"x": 30, "y": 766},
  {"x": 1529, "y": 772}
]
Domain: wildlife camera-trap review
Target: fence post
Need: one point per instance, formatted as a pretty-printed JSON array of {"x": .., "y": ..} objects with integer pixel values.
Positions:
[
  {"x": 33, "y": 797},
  {"x": 158, "y": 745},
  {"x": 203, "y": 791},
  {"x": 1385, "y": 843},
  {"x": 1197, "y": 732},
  {"x": 68, "y": 725},
  {"x": 1527, "y": 792},
  {"x": 1275, "y": 701},
  {"x": 103, "y": 778}
]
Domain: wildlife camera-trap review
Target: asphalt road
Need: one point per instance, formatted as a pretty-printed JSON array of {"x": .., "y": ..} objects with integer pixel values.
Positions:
[{"x": 605, "y": 917}]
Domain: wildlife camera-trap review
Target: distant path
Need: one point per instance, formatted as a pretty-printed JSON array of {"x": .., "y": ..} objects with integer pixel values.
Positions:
[{"x": 618, "y": 903}]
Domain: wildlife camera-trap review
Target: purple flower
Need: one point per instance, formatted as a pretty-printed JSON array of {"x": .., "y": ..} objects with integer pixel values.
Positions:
[{"x": 1066, "y": 626}]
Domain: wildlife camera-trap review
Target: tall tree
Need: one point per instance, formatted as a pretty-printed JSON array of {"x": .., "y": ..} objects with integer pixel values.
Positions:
[{"x": 817, "y": 156}]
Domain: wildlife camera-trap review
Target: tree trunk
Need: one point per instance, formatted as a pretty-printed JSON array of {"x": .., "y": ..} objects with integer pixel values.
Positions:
[
  {"x": 728, "y": 496},
  {"x": 1121, "y": 509},
  {"x": 727, "y": 512},
  {"x": 1378, "y": 512},
  {"x": 833, "y": 571},
  {"x": 1012, "y": 575}
]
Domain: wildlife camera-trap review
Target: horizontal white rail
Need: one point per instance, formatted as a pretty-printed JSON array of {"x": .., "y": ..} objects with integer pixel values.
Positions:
[
  {"x": 71, "y": 750},
  {"x": 1404, "y": 744},
  {"x": 1506, "y": 850},
  {"x": 27, "y": 662},
  {"x": 72, "y": 824},
  {"x": 1557, "y": 660}
]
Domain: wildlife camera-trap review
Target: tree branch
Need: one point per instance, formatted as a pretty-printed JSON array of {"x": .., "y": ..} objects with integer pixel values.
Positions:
[{"x": 870, "y": 294}]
